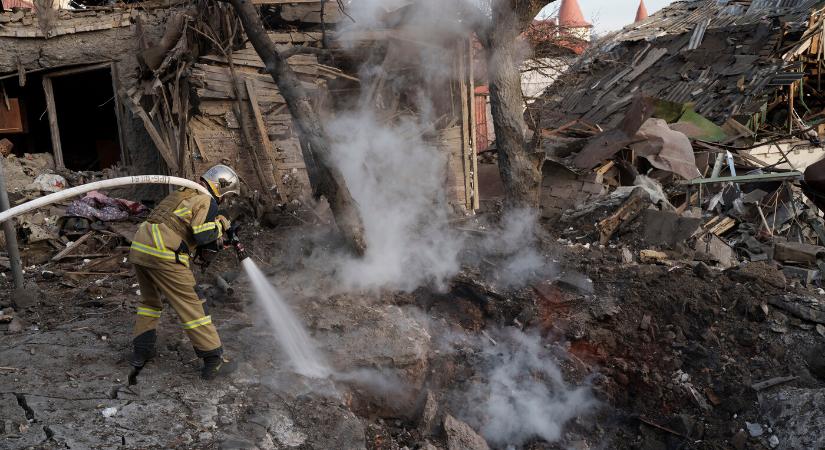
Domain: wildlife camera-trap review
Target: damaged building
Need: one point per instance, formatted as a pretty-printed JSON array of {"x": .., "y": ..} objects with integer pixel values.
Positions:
[
  {"x": 740, "y": 76},
  {"x": 175, "y": 89}
]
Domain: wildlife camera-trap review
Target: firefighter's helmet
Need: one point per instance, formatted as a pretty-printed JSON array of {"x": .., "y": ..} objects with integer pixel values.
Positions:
[{"x": 222, "y": 180}]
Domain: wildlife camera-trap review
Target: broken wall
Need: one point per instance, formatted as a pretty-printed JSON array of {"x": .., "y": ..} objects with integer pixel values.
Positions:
[{"x": 79, "y": 38}]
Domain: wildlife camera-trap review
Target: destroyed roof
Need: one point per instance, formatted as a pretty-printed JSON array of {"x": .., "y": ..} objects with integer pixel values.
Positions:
[{"x": 722, "y": 56}]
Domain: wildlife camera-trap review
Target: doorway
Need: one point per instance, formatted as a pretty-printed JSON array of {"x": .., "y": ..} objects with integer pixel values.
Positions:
[{"x": 83, "y": 117}]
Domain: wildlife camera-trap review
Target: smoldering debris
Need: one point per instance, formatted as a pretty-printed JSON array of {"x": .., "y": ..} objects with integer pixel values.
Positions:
[{"x": 520, "y": 393}]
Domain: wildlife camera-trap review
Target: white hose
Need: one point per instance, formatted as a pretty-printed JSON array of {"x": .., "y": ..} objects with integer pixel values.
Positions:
[{"x": 103, "y": 184}]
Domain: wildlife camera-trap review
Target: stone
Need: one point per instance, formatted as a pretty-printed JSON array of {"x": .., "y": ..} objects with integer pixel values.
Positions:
[
  {"x": 773, "y": 441},
  {"x": 5, "y": 147},
  {"x": 807, "y": 308},
  {"x": 461, "y": 436},
  {"x": 704, "y": 272},
  {"x": 816, "y": 361},
  {"x": 17, "y": 325},
  {"x": 652, "y": 257},
  {"x": 712, "y": 248},
  {"x": 627, "y": 256},
  {"x": 800, "y": 413},
  {"x": 739, "y": 440},
  {"x": 429, "y": 415},
  {"x": 645, "y": 324},
  {"x": 27, "y": 296},
  {"x": 754, "y": 429}
]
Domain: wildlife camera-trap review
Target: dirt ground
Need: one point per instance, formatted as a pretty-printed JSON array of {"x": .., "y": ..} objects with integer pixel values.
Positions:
[{"x": 670, "y": 352}]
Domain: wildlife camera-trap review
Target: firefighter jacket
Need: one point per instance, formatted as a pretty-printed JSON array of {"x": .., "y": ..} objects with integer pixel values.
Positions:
[{"x": 183, "y": 222}]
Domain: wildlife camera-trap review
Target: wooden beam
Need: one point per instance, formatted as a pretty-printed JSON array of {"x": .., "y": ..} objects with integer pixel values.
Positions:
[
  {"x": 466, "y": 139},
  {"x": 63, "y": 253},
  {"x": 57, "y": 151},
  {"x": 266, "y": 145},
  {"x": 124, "y": 156},
  {"x": 471, "y": 99},
  {"x": 164, "y": 150},
  {"x": 86, "y": 68}
]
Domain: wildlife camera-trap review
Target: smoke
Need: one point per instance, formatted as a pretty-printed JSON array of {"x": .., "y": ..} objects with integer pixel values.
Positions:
[
  {"x": 516, "y": 248},
  {"x": 397, "y": 180},
  {"x": 524, "y": 395},
  {"x": 395, "y": 162}
]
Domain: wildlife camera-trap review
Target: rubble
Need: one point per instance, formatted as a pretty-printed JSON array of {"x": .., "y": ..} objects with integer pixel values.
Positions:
[
  {"x": 687, "y": 255},
  {"x": 461, "y": 437}
]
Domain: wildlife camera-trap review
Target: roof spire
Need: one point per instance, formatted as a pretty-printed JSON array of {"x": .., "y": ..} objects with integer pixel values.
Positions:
[
  {"x": 641, "y": 13},
  {"x": 570, "y": 15}
]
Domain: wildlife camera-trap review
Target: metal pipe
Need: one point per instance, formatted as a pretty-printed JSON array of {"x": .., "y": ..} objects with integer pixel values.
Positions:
[{"x": 11, "y": 235}]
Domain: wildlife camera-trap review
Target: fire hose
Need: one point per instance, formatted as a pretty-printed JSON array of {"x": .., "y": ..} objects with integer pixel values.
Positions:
[{"x": 96, "y": 185}]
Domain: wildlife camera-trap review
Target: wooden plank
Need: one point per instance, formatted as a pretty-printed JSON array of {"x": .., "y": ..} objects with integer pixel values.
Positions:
[
  {"x": 160, "y": 144},
  {"x": 466, "y": 137},
  {"x": 472, "y": 119},
  {"x": 86, "y": 68},
  {"x": 124, "y": 156},
  {"x": 57, "y": 151},
  {"x": 296, "y": 37},
  {"x": 205, "y": 93},
  {"x": 63, "y": 253},
  {"x": 262, "y": 131}
]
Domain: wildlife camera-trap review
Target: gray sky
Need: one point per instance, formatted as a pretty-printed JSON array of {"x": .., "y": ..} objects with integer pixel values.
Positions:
[{"x": 609, "y": 15}]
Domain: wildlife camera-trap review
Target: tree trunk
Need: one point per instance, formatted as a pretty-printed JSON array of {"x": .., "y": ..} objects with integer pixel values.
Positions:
[
  {"x": 520, "y": 170},
  {"x": 330, "y": 182}
]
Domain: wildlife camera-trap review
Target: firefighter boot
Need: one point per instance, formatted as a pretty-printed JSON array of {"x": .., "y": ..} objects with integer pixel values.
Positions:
[
  {"x": 215, "y": 365},
  {"x": 143, "y": 349}
]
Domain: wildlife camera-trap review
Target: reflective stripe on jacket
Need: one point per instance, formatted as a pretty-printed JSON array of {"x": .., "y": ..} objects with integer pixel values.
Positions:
[{"x": 182, "y": 222}]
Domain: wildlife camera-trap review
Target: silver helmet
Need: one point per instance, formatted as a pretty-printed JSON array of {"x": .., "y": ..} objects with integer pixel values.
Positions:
[{"x": 222, "y": 180}]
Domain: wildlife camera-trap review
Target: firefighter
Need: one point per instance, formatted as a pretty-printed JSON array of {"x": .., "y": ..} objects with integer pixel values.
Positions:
[{"x": 186, "y": 222}]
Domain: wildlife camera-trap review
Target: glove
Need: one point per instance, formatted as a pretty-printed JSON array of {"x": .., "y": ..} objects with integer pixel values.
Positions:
[{"x": 223, "y": 222}]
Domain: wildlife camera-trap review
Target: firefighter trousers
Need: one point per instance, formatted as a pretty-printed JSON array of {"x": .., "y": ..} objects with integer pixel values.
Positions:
[{"x": 177, "y": 284}]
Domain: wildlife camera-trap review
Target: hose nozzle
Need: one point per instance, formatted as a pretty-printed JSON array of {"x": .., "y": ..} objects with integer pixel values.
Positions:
[{"x": 235, "y": 242}]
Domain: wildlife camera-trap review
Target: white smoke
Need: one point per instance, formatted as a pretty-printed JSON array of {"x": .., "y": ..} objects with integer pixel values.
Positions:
[
  {"x": 395, "y": 171},
  {"x": 524, "y": 395},
  {"x": 398, "y": 181}
]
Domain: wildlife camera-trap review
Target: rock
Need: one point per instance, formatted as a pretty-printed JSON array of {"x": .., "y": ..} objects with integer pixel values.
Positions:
[
  {"x": 816, "y": 361},
  {"x": 800, "y": 412},
  {"x": 820, "y": 329},
  {"x": 704, "y": 272},
  {"x": 17, "y": 325},
  {"x": 683, "y": 423},
  {"x": 575, "y": 282},
  {"x": 645, "y": 324},
  {"x": 652, "y": 257},
  {"x": 754, "y": 429},
  {"x": 429, "y": 415},
  {"x": 739, "y": 440},
  {"x": 461, "y": 436},
  {"x": 807, "y": 308},
  {"x": 5, "y": 147},
  {"x": 27, "y": 296},
  {"x": 773, "y": 441},
  {"x": 627, "y": 256}
]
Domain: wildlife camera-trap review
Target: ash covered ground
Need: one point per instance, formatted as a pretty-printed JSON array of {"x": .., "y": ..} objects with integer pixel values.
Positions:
[{"x": 594, "y": 353}]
